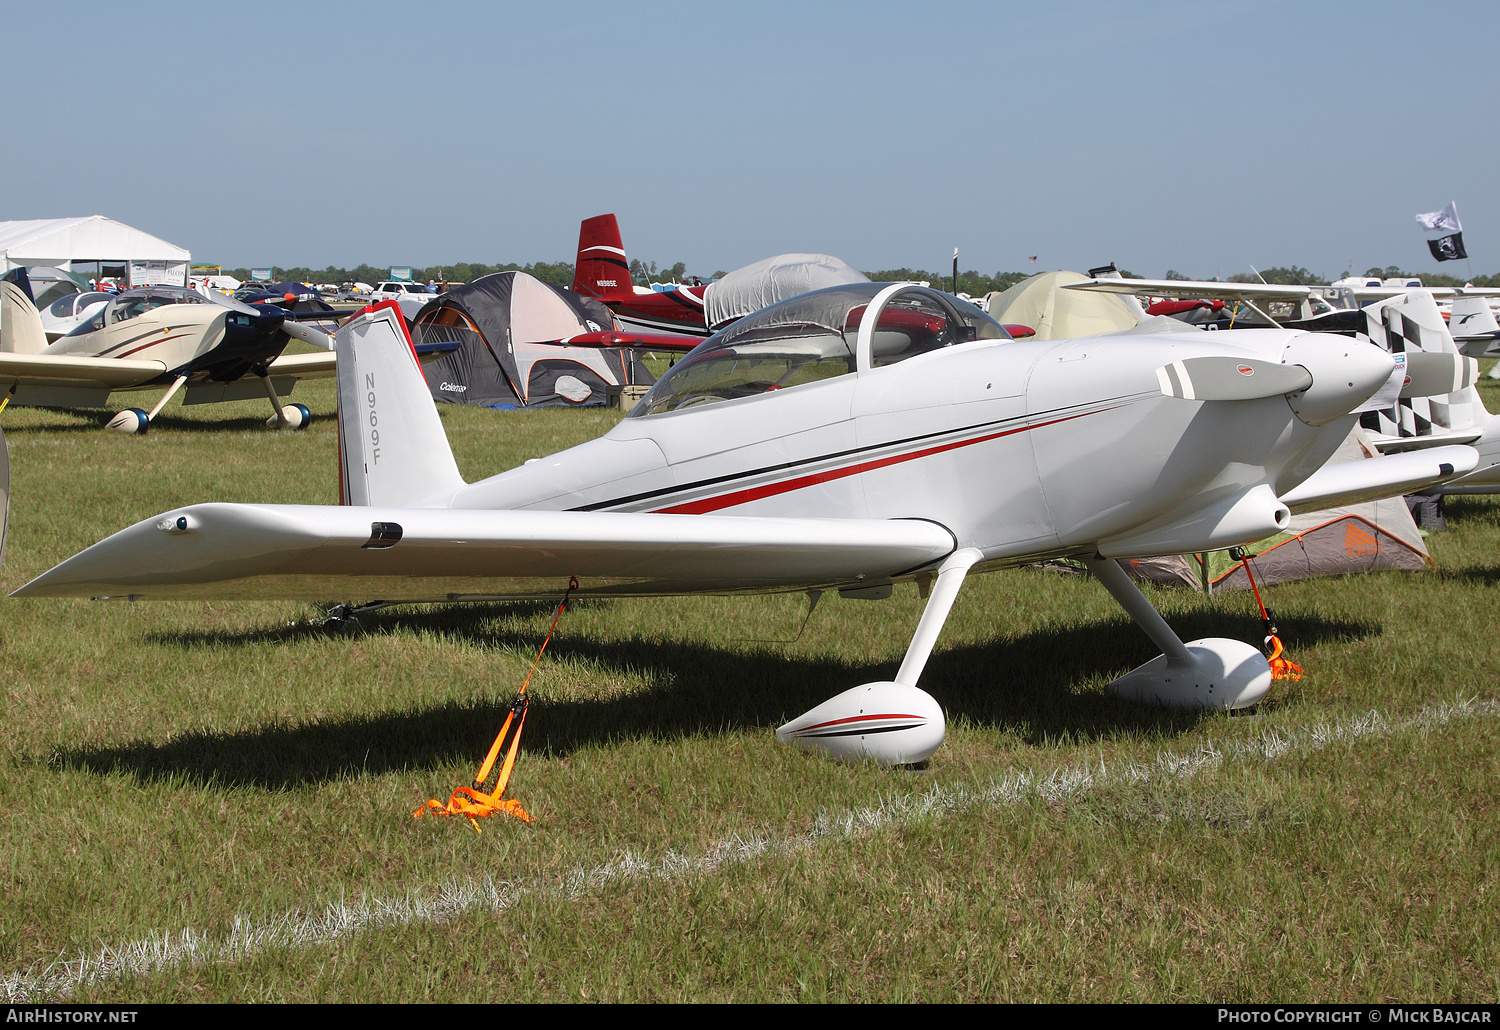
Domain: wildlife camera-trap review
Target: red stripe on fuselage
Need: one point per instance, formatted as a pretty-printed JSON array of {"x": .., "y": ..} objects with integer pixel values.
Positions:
[
  {"x": 756, "y": 493},
  {"x": 153, "y": 343}
]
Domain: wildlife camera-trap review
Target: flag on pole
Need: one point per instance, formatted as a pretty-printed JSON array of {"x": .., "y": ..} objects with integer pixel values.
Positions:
[
  {"x": 1448, "y": 248},
  {"x": 1444, "y": 221},
  {"x": 1448, "y": 245},
  {"x": 1033, "y": 259}
]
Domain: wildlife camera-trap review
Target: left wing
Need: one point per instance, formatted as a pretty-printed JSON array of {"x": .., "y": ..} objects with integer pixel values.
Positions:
[{"x": 313, "y": 552}]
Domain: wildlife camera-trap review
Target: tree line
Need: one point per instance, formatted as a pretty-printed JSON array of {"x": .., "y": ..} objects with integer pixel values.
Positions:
[{"x": 975, "y": 284}]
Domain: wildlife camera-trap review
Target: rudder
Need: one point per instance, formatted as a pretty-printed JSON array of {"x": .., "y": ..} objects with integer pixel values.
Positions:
[
  {"x": 1472, "y": 317},
  {"x": 392, "y": 448},
  {"x": 21, "y": 329},
  {"x": 601, "y": 269}
]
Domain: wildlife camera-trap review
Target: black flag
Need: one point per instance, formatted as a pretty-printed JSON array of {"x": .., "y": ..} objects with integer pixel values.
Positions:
[{"x": 1448, "y": 248}]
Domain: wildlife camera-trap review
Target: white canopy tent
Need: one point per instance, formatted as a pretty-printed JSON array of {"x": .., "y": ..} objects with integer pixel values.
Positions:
[{"x": 93, "y": 245}]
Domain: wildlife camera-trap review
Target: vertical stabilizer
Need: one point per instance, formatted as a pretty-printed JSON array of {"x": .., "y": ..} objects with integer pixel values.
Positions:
[
  {"x": 392, "y": 448},
  {"x": 1471, "y": 319},
  {"x": 602, "y": 270},
  {"x": 20, "y": 323}
]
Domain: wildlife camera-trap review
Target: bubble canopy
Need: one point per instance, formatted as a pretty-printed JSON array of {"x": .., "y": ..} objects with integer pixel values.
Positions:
[{"x": 815, "y": 337}]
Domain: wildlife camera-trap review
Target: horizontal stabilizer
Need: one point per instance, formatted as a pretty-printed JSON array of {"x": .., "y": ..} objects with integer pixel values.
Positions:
[
  {"x": 637, "y": 341},
  {"x": 1351, "y": 482},
  {"x": 1221, "y": 378},
  {"x": 1431, "y": 373},
  {"x": 312, "y": 552}
]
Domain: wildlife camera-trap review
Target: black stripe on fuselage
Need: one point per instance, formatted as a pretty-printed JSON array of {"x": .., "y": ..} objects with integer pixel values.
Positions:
[{"x": 804, "y": 462}]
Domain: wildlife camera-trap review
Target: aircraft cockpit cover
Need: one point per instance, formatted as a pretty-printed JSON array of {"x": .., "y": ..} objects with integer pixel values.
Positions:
[
  {"x": 810, "y": 338},
  {"x": 772, "y": 280}
]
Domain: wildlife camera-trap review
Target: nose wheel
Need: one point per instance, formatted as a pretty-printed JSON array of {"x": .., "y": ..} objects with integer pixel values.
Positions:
[
  {"x": 288, "y": 416},
  {"x": 292, "y": 416},
  {"x": 131, "y": 421}
]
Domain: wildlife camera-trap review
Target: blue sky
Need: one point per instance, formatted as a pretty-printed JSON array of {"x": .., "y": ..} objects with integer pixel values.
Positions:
[{"x": 1204, "y": 137}]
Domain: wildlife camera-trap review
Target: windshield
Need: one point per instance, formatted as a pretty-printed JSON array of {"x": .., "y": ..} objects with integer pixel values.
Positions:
[
  {"x": 133, "y": 303},
  {"x": 811, "y": 338}
]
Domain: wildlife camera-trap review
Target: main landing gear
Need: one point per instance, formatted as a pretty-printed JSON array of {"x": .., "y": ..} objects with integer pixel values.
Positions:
[
  {"x": 137, "y": 420},
  {"x": 897, "y": 723}
]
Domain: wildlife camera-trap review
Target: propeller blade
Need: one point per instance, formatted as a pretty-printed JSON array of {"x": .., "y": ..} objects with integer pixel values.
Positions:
[
  {"x": 1429, "y": 373},
  {"x": 1230, "y": 379},
  {"x": 307, "y": 334}
]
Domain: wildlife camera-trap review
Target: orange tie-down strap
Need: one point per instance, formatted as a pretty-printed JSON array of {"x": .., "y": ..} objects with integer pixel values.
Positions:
[
  {"x": 472, "y": 802},
  {"x": 1281, "y": 668}
]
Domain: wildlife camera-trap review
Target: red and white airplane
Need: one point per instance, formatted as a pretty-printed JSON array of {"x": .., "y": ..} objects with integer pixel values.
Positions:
[
  {"x": 854, "y": 439},
  {"x": 602, "y": 271}
]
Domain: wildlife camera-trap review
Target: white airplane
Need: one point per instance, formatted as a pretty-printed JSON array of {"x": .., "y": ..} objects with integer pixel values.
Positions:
[
  {"x": 157, "y": 337},
  {"x": 849, "y": 439},
  {"x": 65, "y": 314}
]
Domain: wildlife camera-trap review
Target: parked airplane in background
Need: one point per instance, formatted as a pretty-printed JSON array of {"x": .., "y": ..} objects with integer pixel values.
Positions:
[
  {"x": 156, "y": 337},
  {"x": 849, "y": 439},
  {"x": 650, "y": 318},
  {"x": 602, "y": 271},
  {"x": 65, "y": 314}
]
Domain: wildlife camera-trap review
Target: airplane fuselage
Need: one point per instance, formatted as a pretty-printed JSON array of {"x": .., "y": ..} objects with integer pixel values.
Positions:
[
  {"x": 206, "y": 341},
  {"x": 1019, "y": 448},
  {"x": 667, "y": 311}
]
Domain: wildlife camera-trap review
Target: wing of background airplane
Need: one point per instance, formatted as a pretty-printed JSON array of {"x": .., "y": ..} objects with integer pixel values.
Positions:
[
  {"x": 1192, "y": 290},
  {"x": 77, "y": 372},
  {"x": 315, "y": 552},
  {"x": 305, "y": 366}
]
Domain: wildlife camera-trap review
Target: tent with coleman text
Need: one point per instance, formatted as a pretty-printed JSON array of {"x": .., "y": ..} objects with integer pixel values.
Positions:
[
  {"x": 508, "y": 326},
  {"x": 1333, "y": 542}
]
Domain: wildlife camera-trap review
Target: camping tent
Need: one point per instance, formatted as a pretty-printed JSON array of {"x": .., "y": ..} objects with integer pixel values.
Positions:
[
  {"x": 1332, "y": 542},
  {"x": 771, "y": 280},
  {"x": 1058, "y": 314},
  {"x": 508, "y": 324},
  {"x": 93, "y": 245}
]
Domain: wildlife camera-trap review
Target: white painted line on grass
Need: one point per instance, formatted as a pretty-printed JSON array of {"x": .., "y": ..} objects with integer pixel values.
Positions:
[{"x": 246, "y": 937}]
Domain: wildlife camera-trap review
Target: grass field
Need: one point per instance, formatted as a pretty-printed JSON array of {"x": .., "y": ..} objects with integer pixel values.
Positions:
[{"x": 213, "y": 801}]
